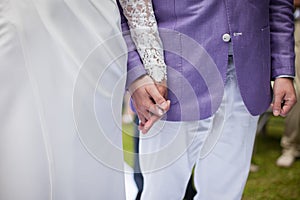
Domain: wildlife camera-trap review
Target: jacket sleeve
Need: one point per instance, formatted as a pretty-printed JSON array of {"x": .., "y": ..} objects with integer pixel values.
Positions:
[{"x": 282, "y": 38}]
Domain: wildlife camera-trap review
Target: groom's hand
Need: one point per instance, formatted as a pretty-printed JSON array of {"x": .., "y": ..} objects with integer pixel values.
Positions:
[
  {"x": 284, "y": 96},
  {"x": 162, "y": 88},
  {"x": 150, "y": 105}
]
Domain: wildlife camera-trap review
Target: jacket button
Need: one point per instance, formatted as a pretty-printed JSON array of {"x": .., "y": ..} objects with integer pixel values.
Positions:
[{"x": 226, "y": 37}]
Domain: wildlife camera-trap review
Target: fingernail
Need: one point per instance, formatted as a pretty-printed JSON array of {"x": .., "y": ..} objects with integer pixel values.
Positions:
[
  {"x": 160, "y": 112},
  {"x": 145, "y": 130},
  {"x": 163, "y": 104},
  {"x": 276, "y": 112}
]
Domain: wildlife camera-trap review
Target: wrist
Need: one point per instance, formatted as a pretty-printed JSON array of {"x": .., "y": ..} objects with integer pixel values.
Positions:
[
  {"x": 139, "y": 82},
  {"x": 157, "y": 74}
]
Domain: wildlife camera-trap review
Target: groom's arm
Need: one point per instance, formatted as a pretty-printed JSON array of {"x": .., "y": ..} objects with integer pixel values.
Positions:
[{"x": 282, "y": 55}]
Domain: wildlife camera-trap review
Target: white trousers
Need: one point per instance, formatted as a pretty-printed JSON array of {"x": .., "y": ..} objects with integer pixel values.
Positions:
[{"x": 219, "y": 147}]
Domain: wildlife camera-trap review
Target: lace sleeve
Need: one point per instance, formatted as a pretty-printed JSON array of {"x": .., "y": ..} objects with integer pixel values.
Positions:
[{"x": 144, "y": 33}]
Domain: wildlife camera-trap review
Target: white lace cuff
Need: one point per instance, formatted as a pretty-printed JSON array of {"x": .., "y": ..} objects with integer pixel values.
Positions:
[{"x": 145, "y": 35}]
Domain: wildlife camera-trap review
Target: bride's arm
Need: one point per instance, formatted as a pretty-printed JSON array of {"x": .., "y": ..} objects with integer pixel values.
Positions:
[
  {"x": 148, "y": 94},
  {"x": 144, "y": 33}
]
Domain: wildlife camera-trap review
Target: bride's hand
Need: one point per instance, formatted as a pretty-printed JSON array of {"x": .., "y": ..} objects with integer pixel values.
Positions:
[{"x": 149, "y": 104}]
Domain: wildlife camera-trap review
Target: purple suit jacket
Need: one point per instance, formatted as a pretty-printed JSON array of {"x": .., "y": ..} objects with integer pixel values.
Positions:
[{"x": 196, "y": 35}]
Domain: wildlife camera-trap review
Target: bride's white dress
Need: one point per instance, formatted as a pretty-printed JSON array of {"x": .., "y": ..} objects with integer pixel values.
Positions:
[{"x": 62, "y": 76}]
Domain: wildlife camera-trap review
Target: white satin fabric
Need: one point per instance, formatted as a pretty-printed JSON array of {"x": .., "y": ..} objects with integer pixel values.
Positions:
[{"x": 62, "y": 74}]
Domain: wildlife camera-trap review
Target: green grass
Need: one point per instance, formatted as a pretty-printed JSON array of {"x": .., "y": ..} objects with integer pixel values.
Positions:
[
  {"x": 270, "y": 182},
  {"x": 128, "y": 130}
]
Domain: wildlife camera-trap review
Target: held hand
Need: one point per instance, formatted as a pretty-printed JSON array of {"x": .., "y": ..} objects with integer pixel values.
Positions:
[
  {"x": 150, "y": 105},
  {"x": 162, "y": 88},
  {"x": 284, "y": 96}
]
